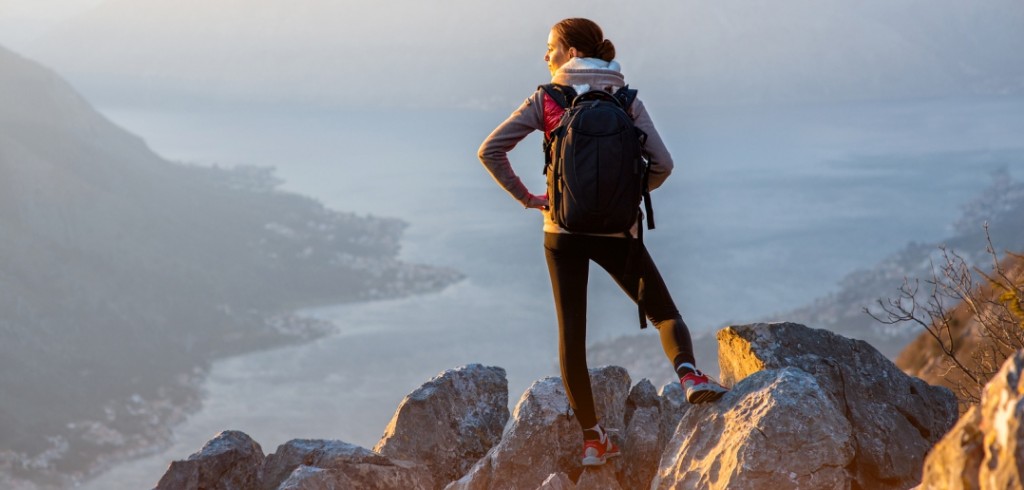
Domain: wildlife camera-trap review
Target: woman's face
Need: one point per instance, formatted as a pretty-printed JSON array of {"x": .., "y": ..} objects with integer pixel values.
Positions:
[{"x": 558, "y": 53}]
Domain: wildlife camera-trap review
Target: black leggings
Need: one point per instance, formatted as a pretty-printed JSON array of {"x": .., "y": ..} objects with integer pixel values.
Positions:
[{"x": 568, "y": 257}]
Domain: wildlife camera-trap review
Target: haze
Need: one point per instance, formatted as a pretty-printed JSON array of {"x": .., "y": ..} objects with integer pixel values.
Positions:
[
  {"x": 465, "y": 53},
  {"x": 813, "y": 138}
]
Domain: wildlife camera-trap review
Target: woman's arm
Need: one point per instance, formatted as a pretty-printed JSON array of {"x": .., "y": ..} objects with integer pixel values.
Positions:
[
  {"x": 493, "y": 153},
  {"x": 661, "y": 160}
]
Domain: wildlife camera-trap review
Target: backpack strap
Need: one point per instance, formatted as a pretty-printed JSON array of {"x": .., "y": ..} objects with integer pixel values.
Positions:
[
  {"x": 626, "y": 97},
  {"x": 561, "y": 94}
]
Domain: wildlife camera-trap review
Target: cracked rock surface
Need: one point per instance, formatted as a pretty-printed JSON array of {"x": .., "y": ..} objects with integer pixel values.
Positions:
[
  {"x": 747, "y": 439},
  {"x": 895, "y": 418}
]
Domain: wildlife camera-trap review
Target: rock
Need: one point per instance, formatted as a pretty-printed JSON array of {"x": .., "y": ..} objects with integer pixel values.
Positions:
[
  {"x": 1002, "y": 419},
  {"x": 774, "y": 429},
  {"x": 896, "y": 418},
  {"x": 643, "y": 442},
  {"x": 557, "y": 481},
  {"x": 544, "y": 436},
  {"x": 450, "y": 422},
  {"x": 986, "y": 447},
  {"x": 229, "y": 461},
  {"x": 955, "y": 461},
  {"x": 364, "y": 469},
  {"x": 310, "y": 478},
  {"x": 599, "y": 478},
  {"x": 673, "y": 406}
]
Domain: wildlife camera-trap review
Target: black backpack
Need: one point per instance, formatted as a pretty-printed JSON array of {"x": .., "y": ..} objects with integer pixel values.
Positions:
[
  {"x": 597, "y": 169},
  {"x": 595, "y": 163}
]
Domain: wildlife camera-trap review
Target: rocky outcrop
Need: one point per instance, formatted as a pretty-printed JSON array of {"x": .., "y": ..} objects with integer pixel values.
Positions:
[
  {"x": 985, "y": 449},
  {"x": 807, "y": 409},
  {"x": 594, "y": 478},
  {"x": 365, "y": 469},
  {"x": 557, "y": 481},
  {"x": 673, "y": 407},
  {"x": 895, "y": 418},
  {"x": 599, "y": 478},
  {"x": 544, "y": 436},
  {"x": 749, "y": 439},
  {"x": 230, "y": 461},
  {"x": 450, "y": 422},
  {"x": 311, "y": 478},
  {"x": 643, "y": 441}
]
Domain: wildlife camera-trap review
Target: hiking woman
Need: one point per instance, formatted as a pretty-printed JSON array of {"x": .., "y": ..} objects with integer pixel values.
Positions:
[{"x": 578, "y": 56}]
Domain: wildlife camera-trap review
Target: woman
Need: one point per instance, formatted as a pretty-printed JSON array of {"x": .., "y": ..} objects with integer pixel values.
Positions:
[{"x": 579, "y": 56}]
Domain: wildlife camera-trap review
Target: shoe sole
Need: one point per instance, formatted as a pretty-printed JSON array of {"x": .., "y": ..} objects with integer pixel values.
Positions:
[
  {"x": 705, "y": 396},
  {"x": 595, "y": 461}
]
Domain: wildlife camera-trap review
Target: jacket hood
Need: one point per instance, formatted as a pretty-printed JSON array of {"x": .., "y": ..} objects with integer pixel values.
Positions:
[{"x": 584, "y": 74}]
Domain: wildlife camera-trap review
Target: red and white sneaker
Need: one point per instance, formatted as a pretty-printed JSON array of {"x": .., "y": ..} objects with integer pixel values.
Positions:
[
  {"x": 700, "y": 388},
  {"x": 597, "y": 452}
]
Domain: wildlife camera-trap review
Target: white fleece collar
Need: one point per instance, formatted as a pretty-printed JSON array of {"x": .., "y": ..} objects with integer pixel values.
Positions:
[
  {"x": 583, "y": 73},
  {"x": 591, "y": 64}
]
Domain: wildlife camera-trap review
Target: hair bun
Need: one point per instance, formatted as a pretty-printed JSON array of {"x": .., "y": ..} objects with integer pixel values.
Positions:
[{"x": 606, "y": 50}]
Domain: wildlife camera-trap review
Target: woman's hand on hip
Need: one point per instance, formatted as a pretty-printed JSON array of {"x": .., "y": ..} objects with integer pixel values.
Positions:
[{"x": 537, "y": 202}]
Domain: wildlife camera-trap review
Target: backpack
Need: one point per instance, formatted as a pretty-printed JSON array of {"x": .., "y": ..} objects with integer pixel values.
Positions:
[
  {"x": 597, "y": 169},
  {"x": 595, "y": 164}
]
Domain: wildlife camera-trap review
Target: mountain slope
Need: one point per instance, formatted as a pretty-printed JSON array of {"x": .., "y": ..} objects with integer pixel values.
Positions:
[{"x": 121, "y": 272}]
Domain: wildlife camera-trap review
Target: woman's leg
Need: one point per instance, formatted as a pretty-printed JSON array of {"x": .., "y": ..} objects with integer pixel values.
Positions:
[
  {"x": 568, "y": 266},
  {"x": 612, "y": 256}
]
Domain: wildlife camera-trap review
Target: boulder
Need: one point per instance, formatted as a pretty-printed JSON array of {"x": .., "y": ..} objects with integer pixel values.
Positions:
[
  {"x": 450, "y": 422},
  {"x": 896, "y": 418},
  {"x": 229, "y": 461},
  {"x": 557, "y": 481},
  {"x": 673, "y": 406},
  {"x": 544, "y": 436},
  {"x": 599, "y": 478},
  {"x": 986, "y": 447},
  {"x": 310, "y": 478},
  {"x": 643, "y": 442},
  {"x": 954, "y": 463},
  {"x": 361, "y": 467},
  {"x": 775, "y": 429}
]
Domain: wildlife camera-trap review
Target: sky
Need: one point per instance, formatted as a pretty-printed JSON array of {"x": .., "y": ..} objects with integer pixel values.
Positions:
[
  {"x": 21, "y": 21},
  {"x": 399, "y": 52}
]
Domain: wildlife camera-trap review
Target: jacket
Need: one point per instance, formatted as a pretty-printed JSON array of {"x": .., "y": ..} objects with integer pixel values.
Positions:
[{"x": 581, "y": 74}]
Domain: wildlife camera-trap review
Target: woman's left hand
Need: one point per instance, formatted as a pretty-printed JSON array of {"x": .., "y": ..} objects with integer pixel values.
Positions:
[{"x": 537, "y": 202}]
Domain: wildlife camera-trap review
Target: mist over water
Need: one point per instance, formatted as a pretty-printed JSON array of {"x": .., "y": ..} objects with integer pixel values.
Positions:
[{"x": 768, "y": 209}]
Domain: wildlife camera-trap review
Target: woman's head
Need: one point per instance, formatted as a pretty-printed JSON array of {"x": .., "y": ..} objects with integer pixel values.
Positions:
[{"x": 577, "y": 37}]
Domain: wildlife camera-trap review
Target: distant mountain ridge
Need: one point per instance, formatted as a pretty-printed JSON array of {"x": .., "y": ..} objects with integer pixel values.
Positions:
[{"x": 121, "y": 272}]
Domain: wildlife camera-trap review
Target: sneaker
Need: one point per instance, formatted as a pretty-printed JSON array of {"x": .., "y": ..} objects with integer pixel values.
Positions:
[
  {"x": 700, "y": 388},
  {"x": 597, "y": 452}
]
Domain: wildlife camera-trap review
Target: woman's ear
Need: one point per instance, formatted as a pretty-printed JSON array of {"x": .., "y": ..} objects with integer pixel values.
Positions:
[{"x": 573, "y": 53}]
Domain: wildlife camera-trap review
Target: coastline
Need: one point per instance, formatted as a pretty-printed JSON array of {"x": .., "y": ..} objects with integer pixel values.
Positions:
[{"x": 137, "y": 427}]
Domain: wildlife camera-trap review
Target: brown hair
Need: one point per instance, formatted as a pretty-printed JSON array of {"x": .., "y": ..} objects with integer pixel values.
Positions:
[{"x": 586, "y": 36}]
